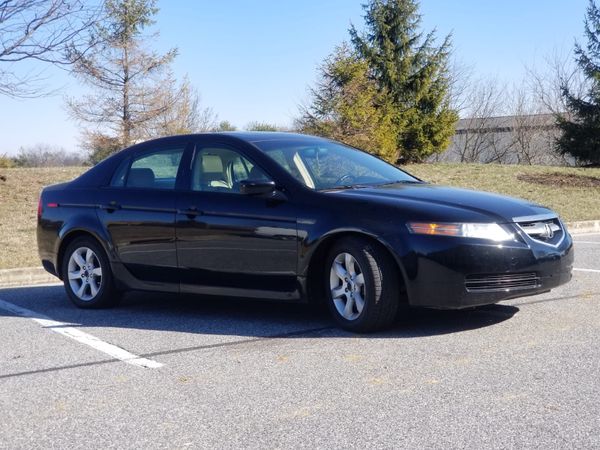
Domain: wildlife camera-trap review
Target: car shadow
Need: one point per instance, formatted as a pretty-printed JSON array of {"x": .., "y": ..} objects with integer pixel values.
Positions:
[{"x": 240, "y": 317}]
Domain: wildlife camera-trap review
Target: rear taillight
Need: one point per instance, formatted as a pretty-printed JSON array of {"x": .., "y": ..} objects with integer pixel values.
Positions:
[{"x": 48, "y": 205}]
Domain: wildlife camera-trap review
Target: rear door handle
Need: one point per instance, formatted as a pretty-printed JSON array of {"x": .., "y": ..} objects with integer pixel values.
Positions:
[
  {"x": 111, "y": 206},
  {"x": 191, "y": 212}
]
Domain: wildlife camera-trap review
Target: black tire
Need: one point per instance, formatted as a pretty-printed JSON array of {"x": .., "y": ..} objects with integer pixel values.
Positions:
[
  {"x": 106, "y": 296},
  {"x": 381, "y": 285}
]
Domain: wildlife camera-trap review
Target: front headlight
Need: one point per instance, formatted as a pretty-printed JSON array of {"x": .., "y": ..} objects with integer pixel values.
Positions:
[{"x": 491, "y": 231}]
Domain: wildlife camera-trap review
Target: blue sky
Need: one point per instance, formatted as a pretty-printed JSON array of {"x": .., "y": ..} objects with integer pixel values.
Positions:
[{"x": 254, "y": 60}]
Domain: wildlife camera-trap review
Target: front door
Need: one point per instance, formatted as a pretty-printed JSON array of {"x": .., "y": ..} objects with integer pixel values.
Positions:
[{"x": 230, "y": 243}]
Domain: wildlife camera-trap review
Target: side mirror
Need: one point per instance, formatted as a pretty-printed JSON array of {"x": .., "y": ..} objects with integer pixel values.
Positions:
[{"x": 257, "y": 187}]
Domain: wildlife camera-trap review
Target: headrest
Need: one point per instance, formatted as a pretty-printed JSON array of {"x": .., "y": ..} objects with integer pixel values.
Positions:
[
  {"x": 142, "y": 177},
  {"x": 212, "y": 164}
]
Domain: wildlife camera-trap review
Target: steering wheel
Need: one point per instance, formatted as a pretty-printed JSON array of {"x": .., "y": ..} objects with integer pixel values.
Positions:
[{"x": 347, "y": 176}]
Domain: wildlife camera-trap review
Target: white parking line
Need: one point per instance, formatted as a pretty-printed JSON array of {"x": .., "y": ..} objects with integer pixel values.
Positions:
[
  {"x": 587, "y": 242},
  {"x": 80, "y": 336},
  {"x": 587, "y": 270}
]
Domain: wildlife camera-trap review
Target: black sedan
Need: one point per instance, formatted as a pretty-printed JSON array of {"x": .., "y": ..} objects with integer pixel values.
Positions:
[{"x": 296, "y": 218}]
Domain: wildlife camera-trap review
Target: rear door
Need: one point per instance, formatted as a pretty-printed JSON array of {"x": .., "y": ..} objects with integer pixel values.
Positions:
[
  {"x": 231, "y": 243},
  {"x": 138, "y": 212}
]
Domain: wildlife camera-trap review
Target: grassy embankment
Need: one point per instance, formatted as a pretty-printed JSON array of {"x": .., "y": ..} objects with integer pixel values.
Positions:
[{"x": 574, "y": 193}]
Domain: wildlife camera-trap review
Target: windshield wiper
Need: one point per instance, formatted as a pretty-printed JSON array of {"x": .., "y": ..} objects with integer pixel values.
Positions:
[
  {"x": 347, "y": 186},
  {"x": 364, "y": 186},
  {"x": 400, "y": 182}
]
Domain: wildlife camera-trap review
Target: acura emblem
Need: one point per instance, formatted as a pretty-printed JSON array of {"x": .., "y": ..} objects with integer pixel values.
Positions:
[{"x": 548, "y": 231}]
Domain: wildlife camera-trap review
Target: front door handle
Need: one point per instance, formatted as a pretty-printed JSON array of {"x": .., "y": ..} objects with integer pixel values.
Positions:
[{"x": 191, "y": 212}]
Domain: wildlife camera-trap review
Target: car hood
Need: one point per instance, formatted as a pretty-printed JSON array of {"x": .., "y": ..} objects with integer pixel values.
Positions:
[{"x": 499, "y": 208}]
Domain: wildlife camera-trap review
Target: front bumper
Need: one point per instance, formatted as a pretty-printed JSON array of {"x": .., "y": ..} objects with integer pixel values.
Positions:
[{"x": 451, "y": 273}]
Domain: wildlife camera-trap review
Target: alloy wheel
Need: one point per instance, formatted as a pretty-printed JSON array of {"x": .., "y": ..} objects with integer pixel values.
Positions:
[
  {"x": 84, "y": 273},
  {"x": 347, "y": 284}
]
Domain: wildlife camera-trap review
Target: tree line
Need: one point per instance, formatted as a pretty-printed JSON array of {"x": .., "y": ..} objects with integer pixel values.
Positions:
[
  {"x": 391, "y": 88},
  {"x": 43, "y": 155}
]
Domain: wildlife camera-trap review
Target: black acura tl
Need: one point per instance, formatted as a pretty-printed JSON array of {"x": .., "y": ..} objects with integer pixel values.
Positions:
[{"x": 292, "y": 217}]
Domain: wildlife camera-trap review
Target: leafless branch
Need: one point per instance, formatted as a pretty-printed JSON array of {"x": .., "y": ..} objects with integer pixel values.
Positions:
[{"x": 41, "y": 30}]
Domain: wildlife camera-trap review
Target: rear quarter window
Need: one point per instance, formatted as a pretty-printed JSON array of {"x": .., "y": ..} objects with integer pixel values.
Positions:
[
  {"x": 118, "y": 178},
  {"x": 156, "y": 170}
]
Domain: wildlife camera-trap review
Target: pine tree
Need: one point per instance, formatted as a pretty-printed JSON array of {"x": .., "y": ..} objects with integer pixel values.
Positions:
[
  {"x": 581, "y": 125},
  {"x": 347, "y": 105},
  {"x": 413, "y": 72}
]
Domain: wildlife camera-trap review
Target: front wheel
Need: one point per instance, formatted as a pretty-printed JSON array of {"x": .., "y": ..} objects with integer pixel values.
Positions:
[
  {"x": 87, "y": 275},
  {"x": 362, "y": 285}
]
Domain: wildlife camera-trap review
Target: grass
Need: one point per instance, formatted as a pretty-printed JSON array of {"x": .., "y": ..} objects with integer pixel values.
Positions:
[
  {"x": 555, "y": 187},
  {"x": 18, "y": 211}
]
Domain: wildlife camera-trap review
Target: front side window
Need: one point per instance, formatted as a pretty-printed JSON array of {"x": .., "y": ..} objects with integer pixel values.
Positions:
[
  {"x": 222, "y": 170},
  {"x": 321, "y": 164},
  {"x": 156, "y": 170}
]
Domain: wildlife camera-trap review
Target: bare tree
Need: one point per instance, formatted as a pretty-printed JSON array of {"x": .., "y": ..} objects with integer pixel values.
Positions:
[
  {"x": 507, "y": 126},
  {"x": 42, "y": 30},
  {"x": 460, "y": 85},
  {"x": 547, "y": 80},
  {"x": 182, "y": 114},
  {"x": 44, "y": 155},
  {"x": 527, "y": 122},
  {"x": 500, "y": 146},
  {"x": 132, "y": 86},
  {"x": 533, "y": 130},
  {"x": 475, "y": 141},
  {"x": 207, "y": 121}
]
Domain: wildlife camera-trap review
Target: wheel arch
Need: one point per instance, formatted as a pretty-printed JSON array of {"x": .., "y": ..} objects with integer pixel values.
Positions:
[
  {"x": 316, "y": 263},
  {"x": 69, "y": 237}
]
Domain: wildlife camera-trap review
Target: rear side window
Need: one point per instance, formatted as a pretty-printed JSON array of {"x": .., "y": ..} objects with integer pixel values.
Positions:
[{"x": 156, "y": 170}]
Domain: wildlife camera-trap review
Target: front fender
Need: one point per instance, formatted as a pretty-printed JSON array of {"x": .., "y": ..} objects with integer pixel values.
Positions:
[{"x": 312, "y": 244}]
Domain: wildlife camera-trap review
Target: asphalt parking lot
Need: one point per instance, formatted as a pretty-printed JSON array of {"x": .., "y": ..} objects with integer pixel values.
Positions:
[{"x": 178, "y": 372}]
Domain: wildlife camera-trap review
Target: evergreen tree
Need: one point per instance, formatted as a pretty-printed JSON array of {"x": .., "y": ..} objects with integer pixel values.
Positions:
[
  {"x": 225, "y": 125},
  {"x": 348, "y": 106},
  {"x": 410, "y": 69},
  {"x": 262, "y": 126},
  {"x": 581, "y": 125}
]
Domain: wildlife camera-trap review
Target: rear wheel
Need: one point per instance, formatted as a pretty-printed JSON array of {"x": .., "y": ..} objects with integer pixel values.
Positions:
[
  {"x": 362, "y": 285},
  {"x": 87, "y": 275}
]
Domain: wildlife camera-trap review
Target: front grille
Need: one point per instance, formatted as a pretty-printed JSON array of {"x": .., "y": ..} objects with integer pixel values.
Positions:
[
  {"x": 503, "y": 282},
  {"x": 545, "y": 229}
]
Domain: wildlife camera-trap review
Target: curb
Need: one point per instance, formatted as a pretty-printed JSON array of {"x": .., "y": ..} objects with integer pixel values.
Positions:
[
  {"x": 37, "y": 275},
  {"x": 25, "y": 276},
  {"x": 583, "y": 227}
]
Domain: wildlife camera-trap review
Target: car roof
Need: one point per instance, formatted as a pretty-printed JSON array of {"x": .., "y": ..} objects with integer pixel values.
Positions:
[{"x": 250, "y": 137}]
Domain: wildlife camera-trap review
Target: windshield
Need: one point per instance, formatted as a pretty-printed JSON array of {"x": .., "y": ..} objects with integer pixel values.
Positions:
[{"x": 321, "y": 164}]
